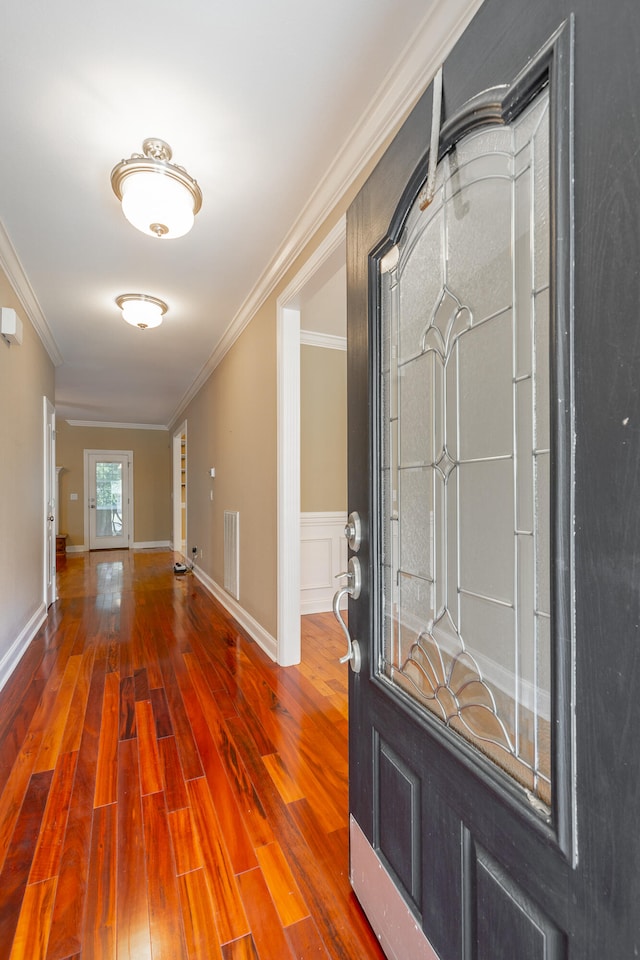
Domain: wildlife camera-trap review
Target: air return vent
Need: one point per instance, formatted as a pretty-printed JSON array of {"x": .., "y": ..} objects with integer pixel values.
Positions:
[{"x": 231, "y": 553}]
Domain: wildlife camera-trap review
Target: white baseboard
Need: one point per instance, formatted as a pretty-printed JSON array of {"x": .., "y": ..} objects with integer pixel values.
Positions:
[
  {"x": 264, "y": 639},
  {"x": 320, "y": 606},
  {"x": 138, "y": 545},
  {"x": 13, "y": 655}
]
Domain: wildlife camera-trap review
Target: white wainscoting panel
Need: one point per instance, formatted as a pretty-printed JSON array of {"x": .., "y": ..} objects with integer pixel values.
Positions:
[{"x": 323, "y": 554}]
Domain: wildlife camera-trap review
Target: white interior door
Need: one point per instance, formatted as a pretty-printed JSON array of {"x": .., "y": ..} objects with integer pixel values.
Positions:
[
  {"x": 50, "y": 504},
  {"x": 109, "y": 498}
]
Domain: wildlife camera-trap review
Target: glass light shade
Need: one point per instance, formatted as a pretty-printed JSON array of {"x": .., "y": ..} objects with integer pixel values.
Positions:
[
  {"x": 141, "y": 311},
  {"x": 157, "y": 204}
]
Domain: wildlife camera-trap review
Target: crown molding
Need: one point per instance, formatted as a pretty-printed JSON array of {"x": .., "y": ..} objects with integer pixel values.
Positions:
[
  {"x": 10, "y": 263},
  {"x": 441, "y": 26},
  {"x": 116, "y": 426}
]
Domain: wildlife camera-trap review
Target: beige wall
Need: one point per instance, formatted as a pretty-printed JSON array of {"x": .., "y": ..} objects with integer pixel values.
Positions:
[
  {"x": 323, "y": 429},
  {"x": 151, "y": 478},
  {"x": 231, "y": 425},
  {"x": 26, "y": 375}
]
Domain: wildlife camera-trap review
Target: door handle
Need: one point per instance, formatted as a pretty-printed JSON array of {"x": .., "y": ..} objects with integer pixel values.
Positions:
[{"x": 354, "y": 585}]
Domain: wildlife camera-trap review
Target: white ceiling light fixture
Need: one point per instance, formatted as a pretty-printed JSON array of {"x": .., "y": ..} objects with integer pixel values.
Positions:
[
  {"x": 141, "y": 310},
  {"x": 158, "y": 197}
]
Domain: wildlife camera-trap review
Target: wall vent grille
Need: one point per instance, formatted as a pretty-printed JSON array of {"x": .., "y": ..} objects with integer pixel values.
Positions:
[{"x": 232, "y": 553}]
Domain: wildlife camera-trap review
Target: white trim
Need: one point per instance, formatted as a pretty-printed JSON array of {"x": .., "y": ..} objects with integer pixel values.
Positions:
[
  {"x": 138, "y": 545},
  {"x": 310, "y": 338},
  {"x": 10, "y": 263},
  {"x": 261, "y": 636},
  {"x": 116, "y": 426},
  {"x": 288, "y": 480},
  {"x": 151, "y": 545},
  {"x": 288, "y": 376},
  {"x": 405, "y": 82},
  {"x": 17, "y": 649},
  {"x": 309, "y": 607},
  {"x": 322, "y": 518}
]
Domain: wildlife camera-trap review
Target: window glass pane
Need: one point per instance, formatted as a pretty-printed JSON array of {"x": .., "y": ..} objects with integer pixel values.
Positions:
[
  {"x": 108, "y": 499},
  {"x": 465, "y": 454}
]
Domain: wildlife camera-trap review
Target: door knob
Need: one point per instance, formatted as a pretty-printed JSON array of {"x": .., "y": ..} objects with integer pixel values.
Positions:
[{"x": 354, "y": 585}]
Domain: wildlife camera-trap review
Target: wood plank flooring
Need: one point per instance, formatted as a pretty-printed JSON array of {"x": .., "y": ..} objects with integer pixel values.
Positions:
[{"x": 166, "y": 791}]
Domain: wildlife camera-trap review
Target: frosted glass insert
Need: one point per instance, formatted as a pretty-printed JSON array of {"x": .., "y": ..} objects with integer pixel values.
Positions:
[
  {"x": 465, "y": 460},
  {"x": 525, "y": 453},
  {"x": 486, "y": 528},
  {"x": 416, "y": 392},
  {"x": 424, "y": 262},
  {"x": 542, "y": 533},
  {"x": 485, "y": 403},
  {"x": 522, "y": 252},
  {"x": 416, "y": 492},
  {"x": 541, "y": 204},
  {"x": 477, "y": 258},
  {"x": 542, "y": 413}
]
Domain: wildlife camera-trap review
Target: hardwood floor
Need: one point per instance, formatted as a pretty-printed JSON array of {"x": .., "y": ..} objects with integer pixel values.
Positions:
[{"x": 168, "y": 792}]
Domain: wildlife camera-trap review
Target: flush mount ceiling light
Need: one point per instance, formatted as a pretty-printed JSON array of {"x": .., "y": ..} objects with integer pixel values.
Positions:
[
  {"x": 158, "y": 197},
  {"x": 141, "y": 310}
]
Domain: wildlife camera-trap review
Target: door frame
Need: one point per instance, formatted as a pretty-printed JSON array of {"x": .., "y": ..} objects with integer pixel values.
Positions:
[
  {"x": 176, "y": 448},
  {"x": 288, "y": 432},
  {"x": 125, "y": 454}
]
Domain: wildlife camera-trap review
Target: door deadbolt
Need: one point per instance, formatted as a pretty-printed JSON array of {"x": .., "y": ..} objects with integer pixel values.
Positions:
[{"x": 353, "y": 531}]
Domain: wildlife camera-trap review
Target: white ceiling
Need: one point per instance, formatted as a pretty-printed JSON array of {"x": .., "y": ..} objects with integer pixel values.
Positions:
[{"x": 272, "y": 105}]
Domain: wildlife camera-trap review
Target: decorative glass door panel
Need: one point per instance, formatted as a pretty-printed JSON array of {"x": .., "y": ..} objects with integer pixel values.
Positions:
[{"x": 465, "y": 474}]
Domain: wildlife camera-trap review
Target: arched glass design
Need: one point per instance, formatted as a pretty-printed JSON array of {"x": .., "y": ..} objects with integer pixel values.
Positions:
[{"x": 465, "y": 459}]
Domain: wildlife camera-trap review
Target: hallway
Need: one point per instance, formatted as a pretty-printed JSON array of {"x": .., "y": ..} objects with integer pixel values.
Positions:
[{"x": 166, "y": 790}]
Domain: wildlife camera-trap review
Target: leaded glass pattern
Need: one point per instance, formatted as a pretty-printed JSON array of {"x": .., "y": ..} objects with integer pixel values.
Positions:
[{"x": 465, "y": 459}]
